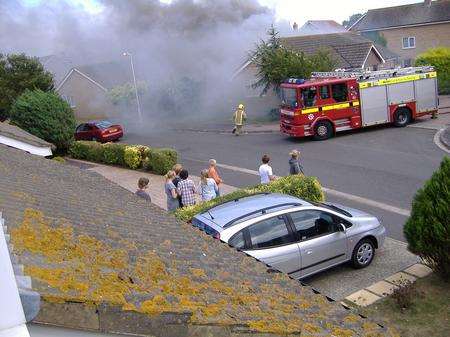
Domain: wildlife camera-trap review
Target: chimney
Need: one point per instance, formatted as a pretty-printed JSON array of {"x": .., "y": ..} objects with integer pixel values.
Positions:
[
  {"x": 427, "y": 3},
  {"x": 295, "y": 26}
]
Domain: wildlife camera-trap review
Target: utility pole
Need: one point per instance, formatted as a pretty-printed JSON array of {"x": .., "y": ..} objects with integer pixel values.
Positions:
[{"x": 135, "y": 85}]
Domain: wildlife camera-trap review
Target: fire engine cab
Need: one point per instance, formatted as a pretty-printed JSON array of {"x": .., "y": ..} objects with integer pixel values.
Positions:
[{"x": 330, "y": 102}]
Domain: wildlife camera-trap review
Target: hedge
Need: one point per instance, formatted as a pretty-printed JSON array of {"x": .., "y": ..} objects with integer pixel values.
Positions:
[
  {"x": 428, "y": 228},
  {"x": 132, "y": 156},
  {"x": 299, "y": 186}
]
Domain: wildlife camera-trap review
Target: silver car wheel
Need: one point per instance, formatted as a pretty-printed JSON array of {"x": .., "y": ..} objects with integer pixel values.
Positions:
[
  {"x": 364, "y": 254},
  {"x": 322, "y": 130}
]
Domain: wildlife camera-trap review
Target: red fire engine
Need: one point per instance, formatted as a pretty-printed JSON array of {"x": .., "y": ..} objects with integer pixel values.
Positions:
[{"x": 330, "y": 102}]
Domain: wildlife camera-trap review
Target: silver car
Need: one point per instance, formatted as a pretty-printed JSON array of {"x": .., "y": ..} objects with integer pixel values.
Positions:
[{"x": 292, "y": 235}]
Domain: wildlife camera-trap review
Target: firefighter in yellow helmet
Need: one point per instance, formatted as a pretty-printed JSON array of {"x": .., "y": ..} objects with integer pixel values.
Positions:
[{"x": 239, "y": 118}]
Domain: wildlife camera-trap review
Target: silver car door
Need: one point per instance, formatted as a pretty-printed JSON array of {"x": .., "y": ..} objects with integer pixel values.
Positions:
[
  {"x": 273, "y": 243},
  {"x": 321, "y": 243}
]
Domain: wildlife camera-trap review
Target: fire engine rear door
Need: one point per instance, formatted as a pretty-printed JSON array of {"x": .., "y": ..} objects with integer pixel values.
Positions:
[{"x": 374, "y": 106}]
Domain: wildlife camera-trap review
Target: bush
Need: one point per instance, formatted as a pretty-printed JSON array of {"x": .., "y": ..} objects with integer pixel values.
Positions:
[
  {"x": 439, "y": 58},
  {"x": 404, "y": 294},
  {"x": 132, "y": 157},
  {"x": 114, "y": 154},
  {"x": 161, "y": 160},
  {"x": 428, "y": 228},
  {"x": 299, "y": 186},
  {"x": 45, "y": 115}
]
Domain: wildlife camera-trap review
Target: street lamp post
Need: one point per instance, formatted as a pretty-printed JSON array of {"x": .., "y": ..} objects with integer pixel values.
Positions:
[{"x": 135, "y": 85}]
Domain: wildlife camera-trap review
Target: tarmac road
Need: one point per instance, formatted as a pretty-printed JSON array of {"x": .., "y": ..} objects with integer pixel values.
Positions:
[{"x": 383, "y": 164}]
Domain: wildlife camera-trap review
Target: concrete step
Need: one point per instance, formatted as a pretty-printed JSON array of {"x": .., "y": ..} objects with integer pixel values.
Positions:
[
  {"x": 30, "y": 302},
  {"x": 18, "y": 269}
]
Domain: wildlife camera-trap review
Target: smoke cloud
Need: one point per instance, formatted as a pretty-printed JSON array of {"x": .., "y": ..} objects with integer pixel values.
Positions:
[{"x": 186, "y": 51}]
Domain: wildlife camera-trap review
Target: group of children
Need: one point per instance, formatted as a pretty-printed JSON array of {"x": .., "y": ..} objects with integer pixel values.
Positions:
[{"x": 181, "y": 191}]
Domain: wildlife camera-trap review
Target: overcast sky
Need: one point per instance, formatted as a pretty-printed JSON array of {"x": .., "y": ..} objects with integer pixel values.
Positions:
[{"x": 293, "y": 10}]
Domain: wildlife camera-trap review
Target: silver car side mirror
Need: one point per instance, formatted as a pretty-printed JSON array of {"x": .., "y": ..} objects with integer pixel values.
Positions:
[{"x": 342, "y": 228}]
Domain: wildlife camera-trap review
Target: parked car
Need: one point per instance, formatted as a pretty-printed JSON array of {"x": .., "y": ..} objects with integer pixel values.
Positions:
[
  {"x": 292, "y": 235},
  {"x": 101, "y": 131}
]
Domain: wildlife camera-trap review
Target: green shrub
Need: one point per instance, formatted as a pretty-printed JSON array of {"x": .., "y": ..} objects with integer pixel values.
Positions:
[
  {"x": 299, "y": 186},
  {"x": 45, "y": 115},
  {"x": 132, "y": 157},
  {"x": 113, "y": 154},
  {"x": 59, "y": 159},
  {"x": 161, "y": 160},
  {"x": 439, "y": 58},
  {"x": 428, "y": 228},
  {"x": 79, "y": 149}
]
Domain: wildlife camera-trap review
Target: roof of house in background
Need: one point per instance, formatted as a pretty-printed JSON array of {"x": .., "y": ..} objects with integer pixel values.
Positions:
[
  {"x": 105, "y": 75},
  {"x": 321, "y": 27},
  {"x": 407, "y": 15},
  {"x": 58, "y": 65},
  {"x": 133, "y": 259},
  {"x": 349, "y": 49},
  {"x": 14, "y": 136}
]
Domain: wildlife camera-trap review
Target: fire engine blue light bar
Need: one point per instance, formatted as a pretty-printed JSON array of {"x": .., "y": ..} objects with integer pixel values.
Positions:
[{"x": 295, "y": 80}]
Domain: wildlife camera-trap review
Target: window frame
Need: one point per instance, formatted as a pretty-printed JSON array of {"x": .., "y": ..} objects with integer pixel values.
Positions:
[
  {"x": 248, "y": 239},
  {"x": 408, "y": 39},
  {"x": 333, "y": 216}
]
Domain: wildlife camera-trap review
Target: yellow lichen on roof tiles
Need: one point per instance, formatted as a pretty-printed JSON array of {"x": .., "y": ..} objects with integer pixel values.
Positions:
[{"x": 93, "y": 271}]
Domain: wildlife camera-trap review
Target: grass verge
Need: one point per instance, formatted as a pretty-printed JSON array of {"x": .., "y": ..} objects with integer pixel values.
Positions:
[{"x": 429, "y": 314}]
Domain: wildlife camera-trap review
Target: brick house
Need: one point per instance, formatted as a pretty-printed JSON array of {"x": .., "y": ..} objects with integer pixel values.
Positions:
[
  {"x": 408, "y": 30},
  {"x": 350, "y": 50}
]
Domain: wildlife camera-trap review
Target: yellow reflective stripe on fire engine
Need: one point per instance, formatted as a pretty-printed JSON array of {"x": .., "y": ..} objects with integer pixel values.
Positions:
[
  {"x": 310, "y": 110},
  {"x": 330, "y": 107},
  {"x": 395, "y": 80}
]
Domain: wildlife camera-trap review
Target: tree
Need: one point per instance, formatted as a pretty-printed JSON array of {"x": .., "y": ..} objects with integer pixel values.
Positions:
[
  {"x": 439, "y": 58},
  {"x": 428, "y": 228},
  {"x": 45, "y": 115},
  {"x": 351, "y": 20},
  {"x": 275, "y": 63},
  {"x": 126, "y": 93},
  {"x": 19, "y": 72}
]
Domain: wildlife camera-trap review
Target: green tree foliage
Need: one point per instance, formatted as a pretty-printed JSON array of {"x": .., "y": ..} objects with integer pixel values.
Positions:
[
  {"x": 351, "y": 20},
  {"x": 428, "y": 228},
  {"x": 126, "y": 94},
  {"x": 275, "y": 63},
  {"x": 45, "y": 115},
  {"x": 439, "y": 58},
  {"x": 19, "y": 72}
]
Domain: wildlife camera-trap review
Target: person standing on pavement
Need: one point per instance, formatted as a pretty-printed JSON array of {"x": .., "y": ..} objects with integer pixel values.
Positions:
[
  {"x": 186, "y": 189},
  {"x": 239, "y": 118},
  {"x": 142, "y": 186},
  {"x": 171, "y": 192},
  {"x": 207, "y": 187},
  {"x": 177, "y": 169},
  {"x": 265, "y": 171},
  {"x": 212, "y": 173},
  {"x": 294, "y": 163}
]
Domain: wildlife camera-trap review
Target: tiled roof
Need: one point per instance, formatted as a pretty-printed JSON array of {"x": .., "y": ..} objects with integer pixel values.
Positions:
[
  {"x": 349, "y": 49},
  {"x": 407, "y": 15},
  {"x": 14, "y": 132},
  {"x": 84, "y": 239}
]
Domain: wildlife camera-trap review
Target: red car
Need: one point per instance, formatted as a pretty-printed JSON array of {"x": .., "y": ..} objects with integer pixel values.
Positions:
[{"x": 101, "y": 131}]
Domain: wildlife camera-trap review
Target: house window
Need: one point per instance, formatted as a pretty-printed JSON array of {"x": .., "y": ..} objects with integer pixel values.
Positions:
[{"x": 409, "y": 42}]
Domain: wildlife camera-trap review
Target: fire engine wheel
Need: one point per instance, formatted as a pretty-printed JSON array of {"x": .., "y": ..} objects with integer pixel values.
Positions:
[
  {"x": 323, "y": 130},
  {"x": 402, "y": 117}
]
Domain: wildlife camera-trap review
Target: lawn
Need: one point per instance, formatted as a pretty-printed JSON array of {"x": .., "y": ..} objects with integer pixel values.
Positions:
[{"x": 428, "y": 316}]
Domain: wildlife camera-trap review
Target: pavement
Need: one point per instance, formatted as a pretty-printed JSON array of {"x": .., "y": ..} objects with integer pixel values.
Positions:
[{"x": 336, "y": 283}]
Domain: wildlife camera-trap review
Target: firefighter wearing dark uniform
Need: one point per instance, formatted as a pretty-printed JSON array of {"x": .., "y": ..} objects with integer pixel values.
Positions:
[{"x": 239, "y": 118}]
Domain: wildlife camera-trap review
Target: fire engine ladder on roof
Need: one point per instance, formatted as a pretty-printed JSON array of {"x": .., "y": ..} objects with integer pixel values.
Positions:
[{"x": 376, "y": 74}]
